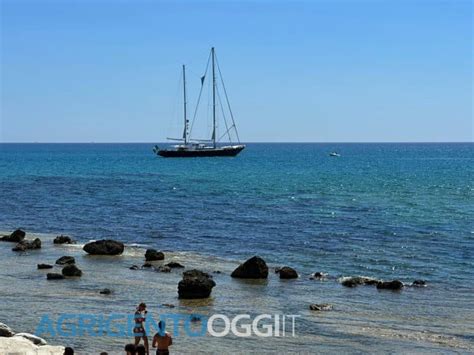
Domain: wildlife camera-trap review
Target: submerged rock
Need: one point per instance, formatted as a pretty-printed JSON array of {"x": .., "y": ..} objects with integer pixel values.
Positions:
[
  {"x": 168, "y": 305},
  {"x": 54, "y": 276},
  {"x": 358, "y": 280},
  {"x": 33, "y": 338},
  {"x": 253, "y": 268},
  {"x": 71, "y": 270},
  {"x": 195, "y": 284},
  {"x": 63, "y": 260},
  {"x": 394, "y": 285},
  {"x": 105, "y": 291},
  {"x": 134, "y": 267},
  {"x": 27, "y": 245},
  {"x": 174, "y": 264},
  {"x": 163, "y": 268},
  {"x": 16, "y": 237},
  {"x": 320, "y": 307},
  {"x": 147, "y": 265},
  {"x": 287, "y": 272},
  {"x": 44, "y": 266},
  {"x": 419, "y": 283},
  {"x": 5, "y": 331},
  {"x": 154, "y": 255},
  {"x": 104, "y": 247},
  {"x": 318, "y": 276},
  {"x": 63, "y": 239}
]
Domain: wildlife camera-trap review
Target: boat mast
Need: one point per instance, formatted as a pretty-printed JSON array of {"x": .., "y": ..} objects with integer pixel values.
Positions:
[
  {"x": 213, "y": 98},
  {"x": 185, "y": 133}
]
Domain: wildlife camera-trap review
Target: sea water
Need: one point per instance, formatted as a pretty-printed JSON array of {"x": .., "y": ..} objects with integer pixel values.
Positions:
[{"x": 389, "y": 211}]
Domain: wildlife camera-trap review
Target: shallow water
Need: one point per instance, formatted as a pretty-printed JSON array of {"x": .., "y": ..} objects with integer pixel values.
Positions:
[{"x": 382, "y": 210}]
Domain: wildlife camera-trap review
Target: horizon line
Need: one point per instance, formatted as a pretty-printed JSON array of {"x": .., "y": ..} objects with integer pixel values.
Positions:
[{"x": 262, "y": 142}]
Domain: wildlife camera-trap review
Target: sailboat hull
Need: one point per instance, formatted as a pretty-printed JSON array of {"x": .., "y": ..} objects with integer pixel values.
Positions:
[{"x": 198, "y": 153}]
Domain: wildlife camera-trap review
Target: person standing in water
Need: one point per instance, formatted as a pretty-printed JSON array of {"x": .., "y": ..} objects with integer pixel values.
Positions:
[
  {"x": 162, "y": 340},
  {"x": 139, "y": 329}
]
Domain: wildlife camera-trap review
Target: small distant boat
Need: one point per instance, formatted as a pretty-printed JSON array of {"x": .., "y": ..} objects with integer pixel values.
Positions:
[
  {"x": 334, "y": 154},
  {"x": 190, "y": 148}
]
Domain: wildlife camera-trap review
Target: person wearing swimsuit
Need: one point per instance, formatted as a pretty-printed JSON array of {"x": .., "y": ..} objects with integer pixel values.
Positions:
[
  {"x": 139, "y": 330},
  {"x": 162, "y": 340}
]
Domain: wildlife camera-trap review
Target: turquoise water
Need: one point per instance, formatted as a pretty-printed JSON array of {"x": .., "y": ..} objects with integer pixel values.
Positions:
[{"x": 383, "y": 210}]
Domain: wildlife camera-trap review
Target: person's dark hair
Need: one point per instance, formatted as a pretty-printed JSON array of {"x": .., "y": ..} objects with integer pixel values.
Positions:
[
  {"x": 141, "y": 350},
  {"x": 104, "y": 353},
  {"x": 143, "y": 305},
  {"x": 131, "y": 349},
  {"x": 68, "y": 351}
]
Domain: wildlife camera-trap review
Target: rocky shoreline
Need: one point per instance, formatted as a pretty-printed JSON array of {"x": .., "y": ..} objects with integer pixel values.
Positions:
[{"x": 192, "y": 283}]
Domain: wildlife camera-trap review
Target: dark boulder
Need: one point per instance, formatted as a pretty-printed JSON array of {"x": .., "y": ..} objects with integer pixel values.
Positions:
[
  {"x": 318, "y": 276},
  {"x": 44, "y": 266},
  {"x": 253, "y": 268},
  {"x": 287, "y": 272},
  {"x": 105, "y": 291},
  {"x": 104, "y": 247},
  {"x": 358, "y": 280},
  {"x": 71, "y": 270},
  {"x": 174, "y": 265},
  {"x": 394, "y": 285},
  {"x": 154, "y": 255},
  {"x": 419, "y": 283},
  {"x": 320, "y": 307},
  {"x": 63, "y": 239},
  {"x": 16, "y": 237},
  {"x": 5, "y": 331},
  {"x": 28, "y": 245},
  {"x": 163, "y": 268},
  {"x": 63, "y": 260},
  {"x": 195, "y": 284},
  {"x": 54, "y": 276}
]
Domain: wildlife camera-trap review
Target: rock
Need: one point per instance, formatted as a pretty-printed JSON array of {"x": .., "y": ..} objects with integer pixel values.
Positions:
[
  {"x": 63, "y": 239},
  {"x": 27, "y": 245},
  {"x": 195, "y": 284},
  {"x": 253, "y": 268},
  {"x": 277, "y": 270},
  {"x": 44, "y": 266},
  {"x": 105, "y": 291},
  {"x": 419, "y": 283},
  {"x": 63, "y": 260},
  {"x": 71, "y": 270},
  {"x": 153, "y": 255},
  {"x": 33, "y": 338},
  {"x": 134, "y": 267},
  {"x": 318, "y": 276},
  {"x": 104, "y": 247},
  {"x": 174, "y": 265},
  {"x": 147, "y": 265},
  {"x": 54, "y": 276},
  {"x": 394, "y": 285},
  {"x": 169, "y": 305},
  {"x": 287, "y": 272},
  {"x": 358, "y": 280},
  {"x": 217, "y": 272},
  {"x": 163, "y": 268},
  {"x": 5, "y": 331},
  {"x": 21, "y": 345},
  {"x": 16, "y": 237},
  {"x": 320, "y": 307}
]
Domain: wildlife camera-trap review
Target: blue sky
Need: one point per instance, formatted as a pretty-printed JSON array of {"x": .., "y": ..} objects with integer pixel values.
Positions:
[{"x": 316, "y": 71}]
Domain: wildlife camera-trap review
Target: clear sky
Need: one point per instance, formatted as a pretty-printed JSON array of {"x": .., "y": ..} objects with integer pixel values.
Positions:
[{"x": 315, "y": 71}]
